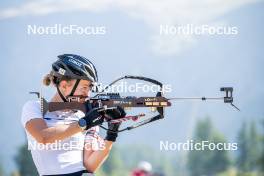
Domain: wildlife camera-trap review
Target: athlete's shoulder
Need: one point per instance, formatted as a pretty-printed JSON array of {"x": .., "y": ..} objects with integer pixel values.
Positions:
[
  {"x": 31, "y": 110},
  {"x": 31, "y": 103}
]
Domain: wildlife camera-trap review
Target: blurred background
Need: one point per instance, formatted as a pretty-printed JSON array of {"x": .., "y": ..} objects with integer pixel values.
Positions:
[{"x": 194, "y": 65}]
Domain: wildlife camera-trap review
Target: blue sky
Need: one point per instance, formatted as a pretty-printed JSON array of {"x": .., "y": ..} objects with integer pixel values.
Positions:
[{"x": 132, "y": 46}]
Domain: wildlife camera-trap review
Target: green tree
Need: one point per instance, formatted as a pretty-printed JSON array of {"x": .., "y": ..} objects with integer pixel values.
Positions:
[
  {"x": 1, "y": 170},
  {"x": 254, "y": 151},
  {"x": 261, "y": 159},
  {"x": 248, "y": 148},
  {"x": 24, "y": 162},
  {"x": 207, "y": 162},
  {"x": 243, "y": 149},
  {"x": 113, "y": 166}
]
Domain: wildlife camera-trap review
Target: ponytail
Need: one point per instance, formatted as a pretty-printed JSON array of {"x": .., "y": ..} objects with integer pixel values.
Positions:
[
  {"x": 50, "y": 78},
  {"x": 47, "y": 80}
]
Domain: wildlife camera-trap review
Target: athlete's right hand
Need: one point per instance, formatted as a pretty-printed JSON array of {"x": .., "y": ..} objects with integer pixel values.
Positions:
[{"x": 93, "y": 118}]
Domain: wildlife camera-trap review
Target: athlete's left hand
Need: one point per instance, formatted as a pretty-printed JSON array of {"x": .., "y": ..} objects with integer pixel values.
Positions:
[{"x": 112, "y": 131}]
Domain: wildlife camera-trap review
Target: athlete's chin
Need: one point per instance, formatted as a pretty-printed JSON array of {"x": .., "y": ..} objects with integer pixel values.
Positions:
[
  {"x": 82, "y": 98},
  {"x": 82, "y": 101}
]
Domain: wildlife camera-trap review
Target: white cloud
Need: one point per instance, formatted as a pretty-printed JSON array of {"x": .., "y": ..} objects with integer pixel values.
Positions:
[
  {"x": 152, "y": 12},
  {"x": 44, "y": 7}
]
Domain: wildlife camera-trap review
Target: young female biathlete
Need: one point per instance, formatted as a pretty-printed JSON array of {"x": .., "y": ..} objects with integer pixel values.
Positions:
[{"x": 75, "y": 133}]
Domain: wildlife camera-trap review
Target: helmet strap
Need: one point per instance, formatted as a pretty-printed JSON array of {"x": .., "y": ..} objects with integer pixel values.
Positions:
[
  {"x": 74, "y": 87},
  {"x": 62, "y": 96},
  {"x": 72, "y": 91}
]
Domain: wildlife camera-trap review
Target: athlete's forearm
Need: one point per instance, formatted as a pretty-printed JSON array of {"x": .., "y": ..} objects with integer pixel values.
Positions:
[
  {"x": 97, "y": 158},
  {"x": 59, "y": 132}
]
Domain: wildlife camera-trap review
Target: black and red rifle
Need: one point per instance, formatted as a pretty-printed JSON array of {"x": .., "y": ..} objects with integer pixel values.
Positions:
[{"x": 112, "y": 100}]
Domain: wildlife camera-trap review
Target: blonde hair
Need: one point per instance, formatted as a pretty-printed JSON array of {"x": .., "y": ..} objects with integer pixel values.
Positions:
[{"x": 49, "y": 79}]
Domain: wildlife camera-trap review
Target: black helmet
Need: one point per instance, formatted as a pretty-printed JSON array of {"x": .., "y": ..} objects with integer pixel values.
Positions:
[{"x": 74, "y": 67}]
